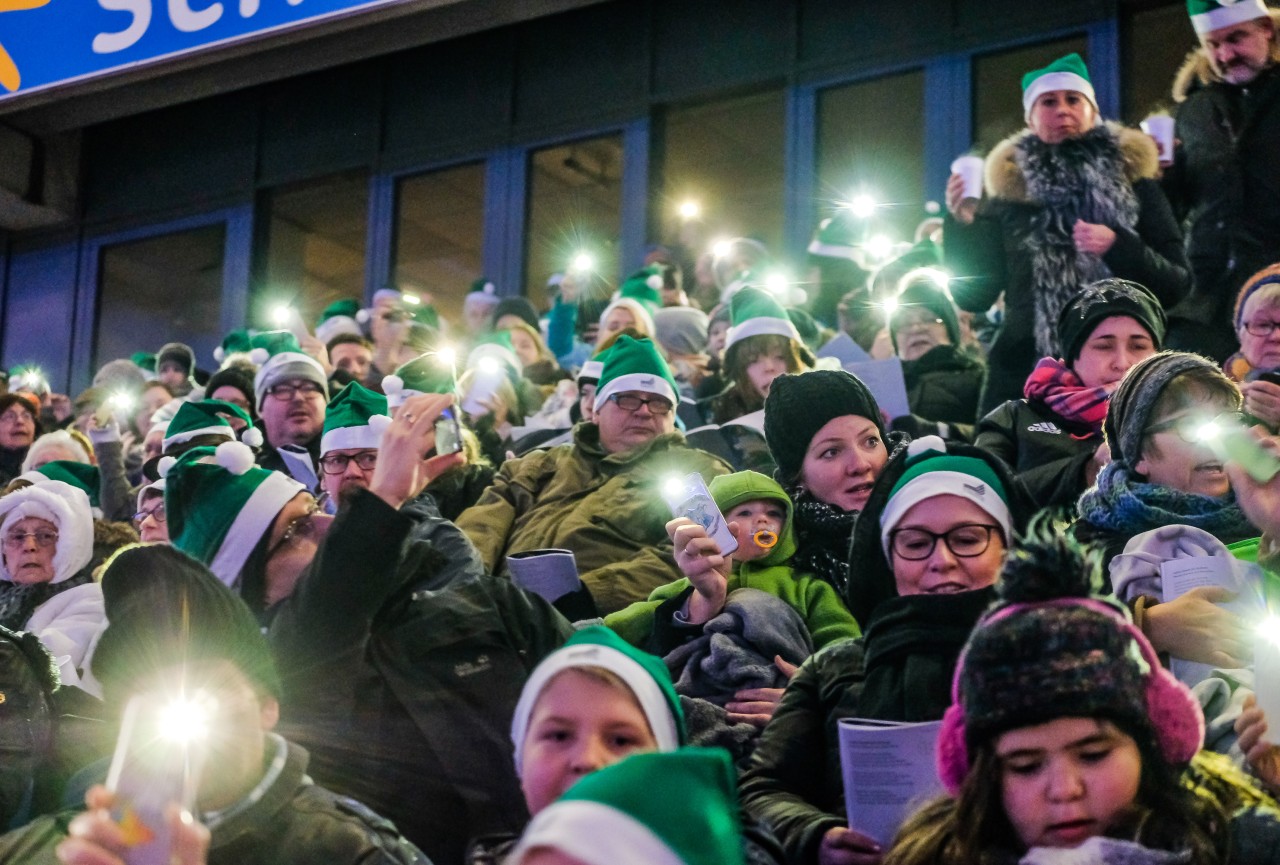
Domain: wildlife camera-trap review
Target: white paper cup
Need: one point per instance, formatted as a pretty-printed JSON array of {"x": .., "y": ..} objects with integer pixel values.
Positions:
[
  {"x": 483, "y": 387},
  {"x": 970, "y": 170},
  {"x": 1160, "y": 127}
]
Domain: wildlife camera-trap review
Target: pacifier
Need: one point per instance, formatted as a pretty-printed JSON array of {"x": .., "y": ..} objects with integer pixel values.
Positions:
[{"x": 765, "y": 539}]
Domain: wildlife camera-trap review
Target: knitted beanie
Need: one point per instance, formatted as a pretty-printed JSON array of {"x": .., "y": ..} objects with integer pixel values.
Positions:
[
  {"x": 681, "y": 329},
  {"x": 729, "y": 491},
  {"x": 920, "y": 290},
  {"x": 635, "y": 365},
  {"x": 1054, "y": 647},
  {"x": 1101, "y": 300},
  {"x": 163, "y": 607},
  {"x": 432, "y": 372},
  {"x": 756, "y": 312},
  {"x": 932, "y": 471},
  {"x": 801, "y": 404},
  {"x": 1129, "y": 412},
  {"x": 517, "y": 306},
  {"x": 235, "y": 376},
  {"x": 82, "y": 476},
  {"x": 339, "y": 318},
  {"x": 355, "y": 418},
  {"x": 67, "y": 507},
  {"x": 1065, "y": 73},
  {"x": 1267, "y": 276},
  {"x": 597, "y": 646},
  {"x": 699, "y": 825},
  {"x": 1209, "y": 15},
  {"x": 219, "y": 505},
  {"x": 280, "y": 358}
]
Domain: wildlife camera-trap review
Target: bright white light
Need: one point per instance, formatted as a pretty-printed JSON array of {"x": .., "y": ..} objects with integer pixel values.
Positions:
[
  {"x": 862, "y": 206},
  {"x": 489, "y": 365},
  {"x": 447, "y": 356},
  {"x": 121, "y": 401},
  {"x": 690, "y": 209},
  {"x": 1207, "y": 432},
  {"x": 880, "y": 246},
  {"x": 722, "y": 248},
  {"x": 411, "y": 299},
  {"x": 777, "y": 283},
  {"x": 673, "y": 487},
  {"x": 281, "y": 315},
  {"x": 890, "y": 304},
  {"x": 32, "y": 378},
  {"x": 583, "y": 263},
  {"x": 186, "y": 719},
  {"x": 1269, "y": 629}
]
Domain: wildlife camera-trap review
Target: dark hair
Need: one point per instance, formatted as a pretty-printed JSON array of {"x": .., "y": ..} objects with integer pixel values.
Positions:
[
  {"x": 345, "y": 338},
  {"x": 743, "y": 353}
]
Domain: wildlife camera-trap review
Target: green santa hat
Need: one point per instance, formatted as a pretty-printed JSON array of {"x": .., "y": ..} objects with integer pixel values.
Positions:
[
  {"x": 1065, "y": 73},
  {"x": 1208, "y": 15},
  {"x": 82, "y": 476},
  {"x": 432, "y": 372},
  {"x": 280, "y": 358},
  {"x": 698, "y": 825},
  {"x": 219, "y": 505},
  {"x": 339, "y": 318},
  {"x": 838, "y": 236},
  {"x": 644, "y": 286},
  {"x": 356, "y": 418},
  {"x": 208, "y": 417},
  {"x": 756, "y": 312},
  {"x": 597, "y": 646},
  {"x": 635, "y": 364},
  {"x": 145, "y": 361},
  {"x": 237, "y": 342},
  {"x": 497, "y": 346}
]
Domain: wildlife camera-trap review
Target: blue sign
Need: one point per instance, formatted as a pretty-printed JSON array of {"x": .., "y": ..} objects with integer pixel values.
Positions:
[{"x": 49, "y": 42}]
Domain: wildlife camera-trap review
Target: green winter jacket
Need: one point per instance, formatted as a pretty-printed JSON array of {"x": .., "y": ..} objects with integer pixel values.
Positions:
[
  {"x": 824, "y": 614},
  {"x": 606, "y": 508}
]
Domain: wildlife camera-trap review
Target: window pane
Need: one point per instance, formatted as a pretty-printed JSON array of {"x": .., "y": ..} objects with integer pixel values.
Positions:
[
  {"x": 161, "y": 289},
  {"x": 575, "y": 205},
  {"x": 1154, "y": 44},
  {"x": 997, "y": 87},
  {"x": 314, "y": 251},
  {"x": 727, "y": 156},
  {"x": 871, "y": 142},
  {"x": 439, "y": 235}
]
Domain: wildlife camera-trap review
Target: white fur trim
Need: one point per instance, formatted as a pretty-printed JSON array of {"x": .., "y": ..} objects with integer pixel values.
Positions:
[
  {"x": 645, "y": 382},
  {"x": 832, "y": 250},
  {"x": 219, "y": 354},
  {"x": 236, "y": 457},
  {"x": 392, "y": 384},
  {"x": 1056, "y": 81},
  {"x": 337, "y": 325},
  {"x": 379, "y": 423},
  {"x": 165, "y": 465},
  {"x": 363, "y": 316},
  {"x": 944, "y": 483},
  {"x": 252, "y": 436},
  {"x": 214, "y": 430},
  {"x": 579, "y": 828},
  {"x": 652, "y": 702},
  {"x": 925, "y": 444},
  {"x": 654, "y": 282},
  {"x": 253, "y": 521},
  {"x": 346, "y": 437},
  {"x": 154, "y": 486},
  {"x": 259, "y": 356},
  {"x": 761, "y": 326},
  {"x": 1229, "y": 15},
  {"x": 65, "y": 506},
  {"x": 591, "y": 369}
]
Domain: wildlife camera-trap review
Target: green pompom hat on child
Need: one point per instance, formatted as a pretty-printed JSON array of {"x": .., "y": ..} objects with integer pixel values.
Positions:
[{"x": 1065, "y": 73}]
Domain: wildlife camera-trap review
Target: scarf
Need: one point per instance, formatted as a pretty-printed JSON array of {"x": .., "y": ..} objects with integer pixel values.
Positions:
[
  {"x": 1056, "y": 385},
  {"x": 1120, "y": 503},
  {"x": 18, "y": 601},
  {"x": 1079, "y": 178}
]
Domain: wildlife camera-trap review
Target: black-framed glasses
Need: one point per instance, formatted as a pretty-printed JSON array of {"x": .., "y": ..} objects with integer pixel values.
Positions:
[
  {"x": 1261, "y": 328},
  {"x": 967, "y": 541},
  {"x": 17, "y": 540},
  {"x": 1197, "y": 428},
  {"x": 629, "y": 403},
  {"x": 157, "y": 513},
  {"x": 336, "y": 464},
  {"x": 286, "y": 391}
]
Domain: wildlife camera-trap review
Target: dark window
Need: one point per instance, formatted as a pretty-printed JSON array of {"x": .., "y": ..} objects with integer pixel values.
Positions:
[{"x": 1154, "y": 44}]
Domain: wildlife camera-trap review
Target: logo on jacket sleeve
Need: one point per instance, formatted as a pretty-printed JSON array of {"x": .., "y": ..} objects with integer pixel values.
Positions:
[{"x": 1046, "y": 426}]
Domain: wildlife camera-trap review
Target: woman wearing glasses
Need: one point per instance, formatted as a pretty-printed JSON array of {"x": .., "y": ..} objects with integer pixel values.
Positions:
[
  {"x": 1257, "y": 365},
  {"x": 149, "y": 519},
  {"x": 46, "y": 587},
  {"x": 929, "y": 545}
]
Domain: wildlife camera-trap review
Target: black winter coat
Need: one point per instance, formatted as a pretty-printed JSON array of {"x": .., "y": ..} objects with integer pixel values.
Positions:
[
  {"x": 404, "y": 694},
  {"x": 900, "y": 670},
  {"x": 1225, "y": 184},
  {"x": 943, "y": 387},
  {"x": 1047, "y": 452}
]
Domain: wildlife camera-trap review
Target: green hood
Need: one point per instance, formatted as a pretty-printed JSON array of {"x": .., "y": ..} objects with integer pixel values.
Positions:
[{"x": 729, "y": 491}]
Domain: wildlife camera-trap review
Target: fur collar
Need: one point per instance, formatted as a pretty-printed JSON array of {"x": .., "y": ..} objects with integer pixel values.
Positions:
[
  {"x": 1196, "y": 71},
  {"x": 1004, "y": 178}
]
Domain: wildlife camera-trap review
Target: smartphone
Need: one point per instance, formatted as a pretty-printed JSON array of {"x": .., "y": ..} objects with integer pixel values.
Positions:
[
  {"x": 1236, "y": 445},
  {"x": 689, "y": 497},
  {"x": 1273, "y": 377},
  {"x": 157, "y": 763},
  {"x": 448, "y": 433}
]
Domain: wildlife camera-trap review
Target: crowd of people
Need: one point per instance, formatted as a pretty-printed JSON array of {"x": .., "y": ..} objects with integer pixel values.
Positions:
[{"x": 595, "y": 577}]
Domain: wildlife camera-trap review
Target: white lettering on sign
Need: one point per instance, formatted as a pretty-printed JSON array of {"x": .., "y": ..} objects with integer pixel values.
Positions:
[
  {"x": 188, "y": 20},
  {"x": 182, "y": 16}
]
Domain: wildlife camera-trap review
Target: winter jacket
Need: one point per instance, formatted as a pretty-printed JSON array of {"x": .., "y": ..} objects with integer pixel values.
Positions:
[
  {"x": 993, "y": 256},
  {"x": 70, "y": 624},
  {"x": 606, "y": 508},
  {"x": 1225, "y": 184},
  {"x": 900, "y": 670},
  {"x": 404, "y": 694},
  {"x": 294, "y": 822},
  {"x": 943, "y": 387},
  {"x": 1047, "y": 452}
]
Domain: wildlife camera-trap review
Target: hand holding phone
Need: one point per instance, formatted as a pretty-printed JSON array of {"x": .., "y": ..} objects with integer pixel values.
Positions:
[
  {"x": 448, "y": 433},
  {"x": 689, "y": 497}
]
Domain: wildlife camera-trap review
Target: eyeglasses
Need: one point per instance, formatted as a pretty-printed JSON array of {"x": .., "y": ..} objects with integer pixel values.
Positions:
[
  {"x": 336, "y": 464},
  {"x": 284, "y": 392},
  {"x": 15, "y": 417},
  {"x": 628, "y": 403},
  {"x": 1261, "y": 328},
  {"x": 302, "y": 528},
  {"x": 157, "y": 513},
  {"x": 906, "y": 321},
  {"x": 1197, "y": 428},
  {"x": 17, "y": 540},
  {"x": 965, "y": 541}
]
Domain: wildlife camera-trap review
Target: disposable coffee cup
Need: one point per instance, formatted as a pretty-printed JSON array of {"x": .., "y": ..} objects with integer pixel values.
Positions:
[
  {"x": 549, "y": 573},
  {"x": 970, "y": 170},
  {"x": 1160, "y": 127}
]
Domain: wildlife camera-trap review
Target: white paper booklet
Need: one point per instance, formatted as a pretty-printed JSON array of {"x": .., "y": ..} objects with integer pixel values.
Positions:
[
  {"x": 1179, "y": 576},
  {"x": 885, "y": 381},
  {"x": 889, "y": 771}
]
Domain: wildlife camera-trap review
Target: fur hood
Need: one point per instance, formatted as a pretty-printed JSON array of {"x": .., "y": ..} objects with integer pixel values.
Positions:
[
  {"x": 1196, "y": 71},
  {"x": 1004, "y": 179},
  {"x": 65, "y": 506}
]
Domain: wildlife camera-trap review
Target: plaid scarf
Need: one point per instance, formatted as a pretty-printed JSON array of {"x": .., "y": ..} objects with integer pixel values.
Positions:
[{"x": 1056, "y": 385}]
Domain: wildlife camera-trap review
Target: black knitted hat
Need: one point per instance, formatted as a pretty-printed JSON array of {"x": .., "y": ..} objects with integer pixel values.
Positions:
[
  {"x": 801, "y": 404},
  {"x": 237, "y": 377},
  {"x": 1103, "y": 299},
  {"x": 517, "y": 306},
  {"x": 922, "y": 291}
]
